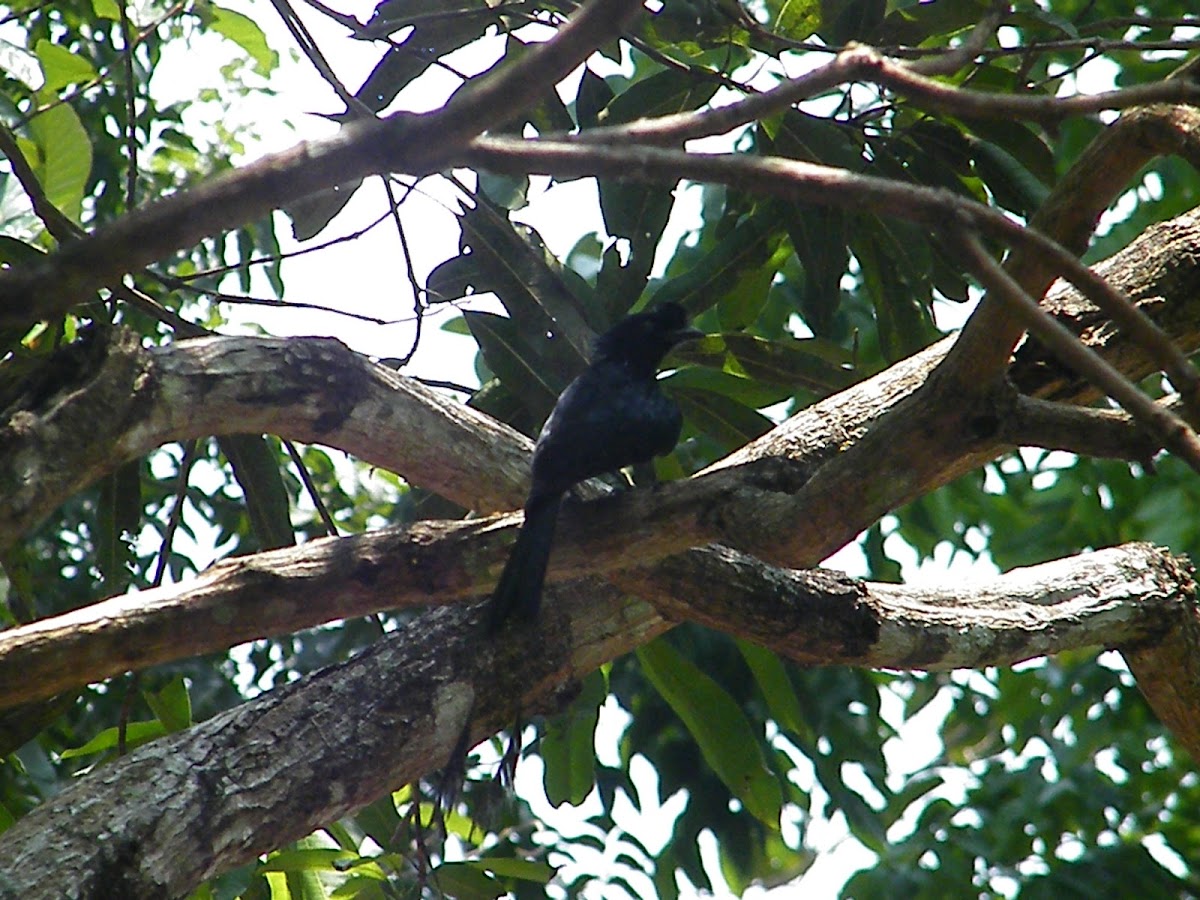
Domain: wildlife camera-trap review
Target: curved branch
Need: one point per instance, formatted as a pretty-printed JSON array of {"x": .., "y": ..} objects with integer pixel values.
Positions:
[
  {"x": 863, "y": 63},
  {"x": 305, "y": 389}
]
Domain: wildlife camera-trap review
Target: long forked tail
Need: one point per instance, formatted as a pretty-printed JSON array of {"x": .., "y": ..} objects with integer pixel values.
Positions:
[{"x": 519, "y": 591}]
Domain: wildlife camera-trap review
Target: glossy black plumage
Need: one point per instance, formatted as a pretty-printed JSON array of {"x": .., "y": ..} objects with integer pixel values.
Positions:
[{"x": 613, "y": 415}]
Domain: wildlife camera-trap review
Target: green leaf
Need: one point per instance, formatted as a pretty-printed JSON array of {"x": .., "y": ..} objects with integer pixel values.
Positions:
[
  {"x": 62, "y": 157},
  {"x": 568, "y": 745},
  {"x": 539, "y": 293},
  {"x": 107, "y": 9},
  {"x": 795, "y": 19},
  {"x": 721, "y": 418},
  {"x": 704, "y": 285},
  {"x": 638, "y": 213},
  {"x": 799, "y": 135},
  {"x": 812, "y": 363},
  {"x": 256, "y": 466},
  {"x": 172, "y": 704},
  {"x": 247, "y": 34},
  {"x": 509, "y": 192},
  {"x": 522, "y": 869},
  {"x": 745, "y": 390},
  {"x": 136, "y": 734},
  {"x": 379, "y": 820},
  {"x": 777, "y": 689},
  {"x": 1014, "y": 186},
  {"x": 306, "y": 859},
  {"x": 18, "y": 252},
  {"x": 118, "y": 513},
  {"x": 593, "y": 96},
  {"x": 61, "y": 67},
  {"x": 312, "y": 214},
  {"x": 895, "y": 262},
  {"x": 721, "y": 730},
  {"x": 465, "y": 881},
  {"x": 459, "y": 276},
  {"x": 665, "y": 93},
  {"x": 511, "y": 356}
]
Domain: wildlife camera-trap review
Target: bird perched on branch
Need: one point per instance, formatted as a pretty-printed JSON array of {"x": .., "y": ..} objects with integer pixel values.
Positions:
[{"x": 611, "y": 416}]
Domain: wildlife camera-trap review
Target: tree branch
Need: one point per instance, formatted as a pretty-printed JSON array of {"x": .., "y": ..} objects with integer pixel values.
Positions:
[
  {"x": 1172, "y": 431},
  {"x": 1124, "y": 595},
  {"x": 1069, "y": 216},
  {"x": 863, "y": 63},
  {"x": 305, "y": 389},
  {"x": 813, "y": 183},
  {"x": 196, "y": 386},
  {"x": 1104, "y": 433}
]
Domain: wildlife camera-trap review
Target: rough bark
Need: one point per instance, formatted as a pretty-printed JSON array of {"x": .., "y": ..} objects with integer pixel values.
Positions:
[{"x": 122, "y": 401}]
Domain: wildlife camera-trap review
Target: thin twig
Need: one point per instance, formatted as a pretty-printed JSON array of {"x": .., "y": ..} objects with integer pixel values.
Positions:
[
  {"x": 968, "y": 50},
  {"x": 862, "y": 63},
  {"x": 415, "y": 143},
  {"x": 331, "y": 528},
  {"x": 417, "y": 292},
  {"x": 308, "y": 45},
  {"x": 131, "y": 145}
]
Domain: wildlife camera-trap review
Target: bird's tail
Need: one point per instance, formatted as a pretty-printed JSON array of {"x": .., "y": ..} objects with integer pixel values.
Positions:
[{"x": 519, "y": 591}]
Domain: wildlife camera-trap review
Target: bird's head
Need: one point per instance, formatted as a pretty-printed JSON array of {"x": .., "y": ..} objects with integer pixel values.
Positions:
[{"x": 643, "y": 339}]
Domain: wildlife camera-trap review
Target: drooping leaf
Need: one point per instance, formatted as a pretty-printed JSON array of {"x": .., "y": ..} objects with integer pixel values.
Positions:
[
  {"x": 136, "y": 734},
  {"x": 118, "y": 513},
  {"x": 62, "y": 155},
  {"x": 510, "y": 354},
  {"x": 730, "y": 423},
  {"x": 568, "y": 745},
  {"x": 717, "y": 273},
  {"x": 256, "y": 466},
  {"x": 540, "y": 294},
  {"x": 719, "y": 726},
  {"x": 171, "y": 704}
]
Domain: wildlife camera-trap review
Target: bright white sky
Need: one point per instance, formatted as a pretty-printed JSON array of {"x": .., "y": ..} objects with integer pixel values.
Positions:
[{"x": 366, "y": 276}]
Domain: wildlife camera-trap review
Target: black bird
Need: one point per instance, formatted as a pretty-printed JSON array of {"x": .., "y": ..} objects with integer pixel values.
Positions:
[{"x": 611, "y": 416}]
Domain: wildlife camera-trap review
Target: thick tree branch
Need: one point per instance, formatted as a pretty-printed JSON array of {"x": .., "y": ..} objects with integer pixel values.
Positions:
[
  {"x": 1129, "y": 595},
  {"x": 196, "y": 800},
  {"x": 125, "y": 400}
]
